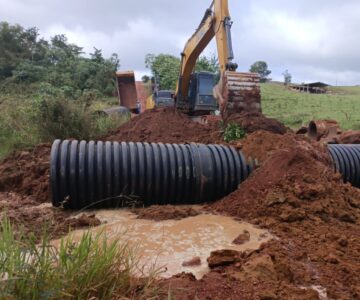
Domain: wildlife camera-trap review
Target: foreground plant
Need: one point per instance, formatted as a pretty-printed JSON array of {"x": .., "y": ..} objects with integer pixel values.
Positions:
[
  {"x": 233, "y": 132},
  {"x": 92, "y": 268}
]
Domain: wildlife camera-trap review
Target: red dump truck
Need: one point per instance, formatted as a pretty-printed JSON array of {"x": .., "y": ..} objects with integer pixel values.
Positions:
[
  {"x": 132, "y": 93},
  {"x": 127, "y": 90}
]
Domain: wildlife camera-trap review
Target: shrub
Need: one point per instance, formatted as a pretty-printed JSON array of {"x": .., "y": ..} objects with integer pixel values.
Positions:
[
  {"x": 233, "y": 132},
  {"x": 48, "y": 114},
  {"x": 16, "y": 128},
  {"x": 61, "y": 118}
]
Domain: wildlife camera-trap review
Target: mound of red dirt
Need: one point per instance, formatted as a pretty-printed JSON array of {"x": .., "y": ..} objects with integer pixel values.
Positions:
[
  {"x": 250, "y": 276},
  {"x": 165, "y": 125},
  {"x": 314, "y": 216},
  {"x": 27, "y": 173},
  {"x": 348, "y": 137},
  {"x": 252, "y": 122},
  {"x": 261, "y": 144},
  {"x": 297, "y": 195}
]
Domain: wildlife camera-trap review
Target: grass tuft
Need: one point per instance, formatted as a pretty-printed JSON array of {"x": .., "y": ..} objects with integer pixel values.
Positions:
[
  {"x": 92, "y": 268},
  {"x": 233, "y": 132}
]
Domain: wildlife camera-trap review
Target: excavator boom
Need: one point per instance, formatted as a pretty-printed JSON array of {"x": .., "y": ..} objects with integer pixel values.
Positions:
[{"x": 235, "y": 91}]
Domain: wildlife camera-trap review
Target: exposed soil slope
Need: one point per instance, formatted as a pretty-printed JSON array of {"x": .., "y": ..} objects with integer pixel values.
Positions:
[
  {"x": 253, "y": 122},
  {"x": 27, "y": 173},
  {"x": 315, "y": 217},
  {"x": 165, "y": 125}
]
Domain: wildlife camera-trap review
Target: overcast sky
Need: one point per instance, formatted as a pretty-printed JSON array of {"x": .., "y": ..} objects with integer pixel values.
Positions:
[{"x": 315, "y": 40}]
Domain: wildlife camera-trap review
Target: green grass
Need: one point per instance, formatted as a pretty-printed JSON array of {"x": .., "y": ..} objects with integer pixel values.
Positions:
[
  {"x": 294, "y": 108},
  {"x": 26, "y": 120},
  {"x": 92, "y": 268}
]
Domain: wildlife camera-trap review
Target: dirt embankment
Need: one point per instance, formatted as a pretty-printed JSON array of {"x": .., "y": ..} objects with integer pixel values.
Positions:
[
  {"x": 27, "y": 173},
  {"x": 314, "y": 215},
  {"x": 253, "y": 122}
]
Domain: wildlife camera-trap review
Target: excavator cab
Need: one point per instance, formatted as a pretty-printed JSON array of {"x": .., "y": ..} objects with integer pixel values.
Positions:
[{"x": 200, "y": 96}]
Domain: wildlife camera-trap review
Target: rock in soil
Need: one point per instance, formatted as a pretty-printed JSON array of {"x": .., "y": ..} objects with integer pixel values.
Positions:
[
  {"x": 221, "y": 258},
  {"x": 242, "y": 238},
  {"x": 195, "y": 261}
]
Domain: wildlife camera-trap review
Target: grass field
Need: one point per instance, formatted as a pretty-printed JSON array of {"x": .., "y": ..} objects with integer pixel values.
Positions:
[
  {"x": 294, "y": 108},
  {"x": 26, "y": 121}
]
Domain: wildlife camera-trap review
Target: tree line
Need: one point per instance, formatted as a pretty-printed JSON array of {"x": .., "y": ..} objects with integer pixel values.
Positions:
[
  {"x": 55, "y": 64},
  {"x": 61, "y": 67}
]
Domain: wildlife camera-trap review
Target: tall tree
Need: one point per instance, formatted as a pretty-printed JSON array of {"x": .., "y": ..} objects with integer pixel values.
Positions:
[
  {"x": 165, "y": 68},
  {"x": 58, "y": 64},
  {"x": 208, "y": 64},
  {"x": 16, "y": 45},
  {"x": 261, "y": 67}
]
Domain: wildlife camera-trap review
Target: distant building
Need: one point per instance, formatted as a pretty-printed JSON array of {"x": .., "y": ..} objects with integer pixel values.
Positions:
[{"x": 313, "y": 88}]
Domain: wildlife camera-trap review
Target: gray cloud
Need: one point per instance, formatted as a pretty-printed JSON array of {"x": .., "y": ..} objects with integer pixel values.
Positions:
[{"x": 313, "y": 40}]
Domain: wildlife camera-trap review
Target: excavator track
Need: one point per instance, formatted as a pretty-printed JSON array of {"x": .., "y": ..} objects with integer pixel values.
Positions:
[{"x": 238, "y": 92}]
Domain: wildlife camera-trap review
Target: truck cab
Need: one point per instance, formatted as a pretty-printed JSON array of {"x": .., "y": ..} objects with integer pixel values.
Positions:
[
  {"x": 201, "y": 99},
  {"x": 164, "y": 98}
]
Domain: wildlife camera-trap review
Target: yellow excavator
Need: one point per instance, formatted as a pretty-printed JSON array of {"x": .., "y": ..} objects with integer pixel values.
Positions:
[{"x": 197, "y": 92}]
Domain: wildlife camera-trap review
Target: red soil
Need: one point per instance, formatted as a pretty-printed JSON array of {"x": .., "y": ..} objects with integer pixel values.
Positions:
[
  {"x": 27, "y": 173},
  {"x": 296, "y": 195},
  {"x": 165, "y": 125},
  {"x": 33, "y": 218},
  {"x": 253, "y": 122}
]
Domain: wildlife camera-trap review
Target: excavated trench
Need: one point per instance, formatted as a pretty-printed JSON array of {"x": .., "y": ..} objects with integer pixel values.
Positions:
[{"x": 294, "y": 194}]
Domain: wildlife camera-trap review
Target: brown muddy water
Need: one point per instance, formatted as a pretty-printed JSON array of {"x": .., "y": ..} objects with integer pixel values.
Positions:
[{"x": 167, "y": 244}]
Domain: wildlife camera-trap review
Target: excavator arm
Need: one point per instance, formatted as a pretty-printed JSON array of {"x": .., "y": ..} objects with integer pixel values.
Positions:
[{"x": 229, "y": 91}]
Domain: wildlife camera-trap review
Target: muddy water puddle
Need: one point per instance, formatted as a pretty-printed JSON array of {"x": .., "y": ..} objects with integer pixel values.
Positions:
[{"x": 167, "y": 244}]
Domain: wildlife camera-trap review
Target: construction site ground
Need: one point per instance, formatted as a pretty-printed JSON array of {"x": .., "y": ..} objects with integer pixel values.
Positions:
[{"x": 294, "y": 194}]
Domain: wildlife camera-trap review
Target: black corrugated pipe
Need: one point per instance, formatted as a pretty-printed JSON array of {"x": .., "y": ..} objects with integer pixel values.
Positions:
[
  {"x": 346, "y": 160},
  {"x": 105, "y": 174}
]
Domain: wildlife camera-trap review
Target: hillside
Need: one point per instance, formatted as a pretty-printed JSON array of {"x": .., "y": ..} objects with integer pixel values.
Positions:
[{"x": 294, "y": 108}]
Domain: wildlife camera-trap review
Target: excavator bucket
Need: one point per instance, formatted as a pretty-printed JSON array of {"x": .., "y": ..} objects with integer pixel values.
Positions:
[
  {"x": 127, "y": 89},
  {"x": 238, "y": 92}
]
